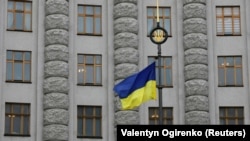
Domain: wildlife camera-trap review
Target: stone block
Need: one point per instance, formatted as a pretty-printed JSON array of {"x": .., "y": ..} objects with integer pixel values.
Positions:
[
  {"x": 194, "y": 10},
  {"x": 124, "y": 70},
  {"x": 126, "y": 55},
  {"x": 197, "y": 118},
  {"x": 56, "y": 21},
  {"x": 55, "y": 116},
  {"x": 195, "y": 40},
  {"x": 196, "y": 87},
  {"x": 126, "y": 24},
  {"x": 196, "y": 71},
  {"x": 125, "y": 10},
  {"x": 127, "y": 117},
  {"x": 196, "y": 103},
  {"x": 56, "y": 101},
  {"x": 195, "y": 56},
  {"x": 126, "y": 39},
  {"x": 56, "y": 69},
  {"x": 56, "y": 85},
  {"x": 193, "y": 1},
  {"x": 125, "y": 1},
  {"x": 194, "y": 25},
  {"x": 55, "y": 132},
  {"x": 56, "y": 36},
  {"x": 56, "y": 53},
  {"x": 57, "y": 7}
]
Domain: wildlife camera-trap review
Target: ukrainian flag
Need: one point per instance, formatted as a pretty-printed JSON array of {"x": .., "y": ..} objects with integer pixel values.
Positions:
[{"x": 137, "y": 88}]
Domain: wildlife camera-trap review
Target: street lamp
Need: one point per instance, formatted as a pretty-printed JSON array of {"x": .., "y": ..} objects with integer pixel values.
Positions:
[{"x": 159, "y": 36}]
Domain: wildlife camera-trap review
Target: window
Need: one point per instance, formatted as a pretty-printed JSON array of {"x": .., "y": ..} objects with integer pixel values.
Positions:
[
  {"x": 166, "y": 70},
  {"x": 89, "y": 20},
  {"x": 89, "y": 121},
  {"x": 231, "y": 115},
  {"x": 230, "y": 71},
  {"x": 164, "y": 19},
  {"x": 18, "y": 66},
  {"x": 167, "y": 115},
  {"x": 19, "y": 15},
  {"x": 89, "y": 69},
  {"x": 228, "y": 20},
  {"x": 17, "y": 119}
]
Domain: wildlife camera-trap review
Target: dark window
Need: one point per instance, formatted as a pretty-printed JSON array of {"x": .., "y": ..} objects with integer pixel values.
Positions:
[
  {"x": 167, "y": 115},
  {"x": 231, "y": 115}
]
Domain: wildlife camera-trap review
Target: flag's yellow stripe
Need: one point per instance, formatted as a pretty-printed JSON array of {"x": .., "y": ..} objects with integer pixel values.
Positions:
[{"x": 140, "y": 96}]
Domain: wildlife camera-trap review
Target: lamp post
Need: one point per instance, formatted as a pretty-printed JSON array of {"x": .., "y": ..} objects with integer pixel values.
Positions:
[{"x": 158, "y": 36}]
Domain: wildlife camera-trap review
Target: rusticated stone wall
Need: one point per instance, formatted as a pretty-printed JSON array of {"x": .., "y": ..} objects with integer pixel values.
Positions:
[
  {"x": 126, "y": 56},
  {"x": 56, "y": 71},
  {"x": 195, "y": 62}
]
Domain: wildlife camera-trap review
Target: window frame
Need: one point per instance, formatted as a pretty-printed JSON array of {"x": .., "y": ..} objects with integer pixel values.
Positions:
[
  {"x": 23, "y": 62},
  {"x": 21, "y": 115},
  {"x": 166, "y": 118},
  {"x": 232, "y": 17},
  {"x": 94, "y": 118},
  {"x": 228, "y": 117},
  {"x": 162, "y": 17},
  {"x": 14, "y": 11},
  {"x": 85, "y": 74},
  {"x": 225, "y": 67},
  {"x": 84, "y": 16},
  {"x": 164, "y": 71}
]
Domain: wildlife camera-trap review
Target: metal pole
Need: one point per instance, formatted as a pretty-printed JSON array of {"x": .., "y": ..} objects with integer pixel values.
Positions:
[{"x": 160, "y": 85}]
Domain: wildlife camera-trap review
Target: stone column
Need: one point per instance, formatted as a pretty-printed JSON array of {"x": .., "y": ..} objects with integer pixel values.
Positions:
[
  {"x": 126, "y": 56},
  {"x": 56, "y": 71},
  {"x": 195, "y": 62}
]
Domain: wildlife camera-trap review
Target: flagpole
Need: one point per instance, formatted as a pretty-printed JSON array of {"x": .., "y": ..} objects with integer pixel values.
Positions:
[
  {"x": 158, "y": 36},
  {"x": 160, "y": 85}
]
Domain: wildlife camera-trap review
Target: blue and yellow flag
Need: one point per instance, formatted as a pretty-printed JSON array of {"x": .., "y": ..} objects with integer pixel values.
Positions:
[{"x": 137, "y": 88}]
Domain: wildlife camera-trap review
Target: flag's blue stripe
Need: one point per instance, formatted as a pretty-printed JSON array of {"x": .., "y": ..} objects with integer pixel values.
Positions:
[{"x": 136, "y": 81}]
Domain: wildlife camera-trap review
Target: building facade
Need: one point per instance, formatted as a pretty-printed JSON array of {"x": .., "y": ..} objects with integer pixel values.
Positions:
[{"x": 60, "y": 60}]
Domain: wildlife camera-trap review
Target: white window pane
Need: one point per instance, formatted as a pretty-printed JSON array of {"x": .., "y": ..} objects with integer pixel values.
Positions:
[
  {"x": 9, "y": 55},
  {"x": 228, "y": 25},
  {"x": 230, "y": 76},
  {"x": 236, "y": 11},
  {"x": 27, "y": 72},
  {"x": 80, "y": 127},
  {"x": 89, "y": 24},
  {"x": 10, "y": 20},
  {"x": 26, "y": 125},
  {"x": 7, "y": 124},
  {"x": 169, "y": 76},
  {"x": 80, "y": 9},
  {"x": 89, "y": 60},
  {"x": 10, "y": 5},
  {"x": 219, "y": 26},
  {"x": 89, "y": 127},
  {"x": 98, "y": 10},
  {"x": 9, "y": 71},
  {"x": 80, "y": 72},
  {"x": 19, "y": 20},
  {"x": 98, "y": 75},
  {"x": 27, "y": 21},
  {"x": 236, "y": 25},
  {"x": 19, "y": 6},
  {"x": 98, "y": 25},
  {"x": 89, "y": 10},
  {"x": 221, "y": 77},
  {"x": 89, "y": 74},
  {"x": 27, "y": 56},
  {"x": 150, "y": 12},
  {"x": 80, "y": 25},
  {"x": 150, "y": 23},
  {"x": 218, "y": 11},
  {"x": 167, "y": 25},
  {"x": 18, "y": 71},
  {"x": 17, "y": 124},
  {"x": 18, "y": 56},
  {"x": 227, "y": 11},
  {"x": 239, "y": 80},
  {"x": 28, "y": 6}
]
